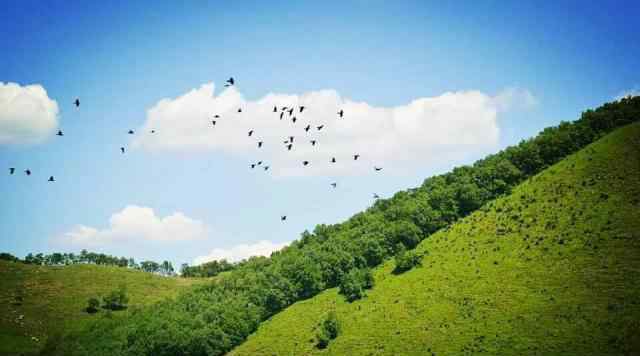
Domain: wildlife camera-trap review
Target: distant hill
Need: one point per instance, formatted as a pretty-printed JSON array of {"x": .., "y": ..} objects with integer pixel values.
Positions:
[
  {"x": 551, "y": 269},
  {"x": 39, "y": 301}
]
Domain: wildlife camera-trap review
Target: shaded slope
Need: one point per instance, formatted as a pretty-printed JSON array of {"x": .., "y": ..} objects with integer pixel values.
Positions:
[
  {"x": 36, "y": 301},
  {"x": 554, "y": 268}
]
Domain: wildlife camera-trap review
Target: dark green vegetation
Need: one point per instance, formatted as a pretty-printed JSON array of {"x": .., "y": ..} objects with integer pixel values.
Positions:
[
  {"x": 41, "y": 301},
  {"x": 551, "y": 269},
  {"x": 212, "y": 319},
  {"x": 209, "y": 269},
  {"x": 328, "y": 331}
]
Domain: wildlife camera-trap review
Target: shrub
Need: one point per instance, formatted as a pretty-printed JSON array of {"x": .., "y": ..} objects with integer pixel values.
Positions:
[
  {"x": 406, "y": 260},
  {"x": 116, "y": 300},
  {"x": 355, "y": 282},
  {"x": 92, "y": 305},
  {"x": 329, "y": 330}
]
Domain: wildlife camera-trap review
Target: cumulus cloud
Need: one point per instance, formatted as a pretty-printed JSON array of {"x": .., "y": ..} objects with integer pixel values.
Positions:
[
  {"x": 136, "y": 224},
  {"x": 423, "y": 130},
  {"x": 240, "y": 252},
  {"x": 27, "y": 114},
  {"x": 627, "y": 93}
]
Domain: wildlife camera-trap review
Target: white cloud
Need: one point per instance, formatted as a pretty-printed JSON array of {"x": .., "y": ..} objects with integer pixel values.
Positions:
[
  {"x": 27, "y": 114},
  {"x": 135, "y": 224},
  {"x": 626, "y": 93},
  {"x": 422, "y": 131},
  {"x": 240, "y": 252}
]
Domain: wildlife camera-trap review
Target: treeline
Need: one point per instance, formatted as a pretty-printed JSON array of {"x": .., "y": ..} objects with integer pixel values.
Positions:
[
  {"x": 85, "y": 257},
  {"x": 208, "y": 269},
  {"x": 212, "y": 319}
]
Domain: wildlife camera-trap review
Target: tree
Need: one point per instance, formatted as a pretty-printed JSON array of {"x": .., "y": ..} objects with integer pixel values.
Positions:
[
  {"x": 329, "y": 330},
  {"x": 406, "y": 260},
  {"x": 8, "y": 257},
  {"x": 92, "y": 305},
  {"x": 354, "y": 283},
  {"x": 117, "y": 299}
]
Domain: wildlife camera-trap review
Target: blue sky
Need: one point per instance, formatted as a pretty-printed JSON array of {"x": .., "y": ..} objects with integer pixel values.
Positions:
[{"x": 122, "y": 58}]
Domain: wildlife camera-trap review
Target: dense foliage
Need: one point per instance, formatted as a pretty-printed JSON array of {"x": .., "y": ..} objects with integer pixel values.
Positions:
[
  {"x": 116, "y": 299},
  {"x": 211, "y": 320},
  {"x": 208, "y": 269},
  {"x": 355, "y": 283},
  {"x": 406, "y": 260},
  {"x": 328, "y": 331}
]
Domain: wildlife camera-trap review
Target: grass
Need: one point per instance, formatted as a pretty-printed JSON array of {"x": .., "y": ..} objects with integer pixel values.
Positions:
[
  {"x": 37, "y": 302},
  {"x": 552, "y": 269}
]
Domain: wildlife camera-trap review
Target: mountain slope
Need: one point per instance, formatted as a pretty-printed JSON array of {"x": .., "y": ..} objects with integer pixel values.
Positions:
[
  {"x": 37, "y": 301},
  {"x": 554, "y": 268}
]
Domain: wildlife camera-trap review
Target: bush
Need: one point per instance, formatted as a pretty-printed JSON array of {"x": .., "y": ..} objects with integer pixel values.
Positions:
[
  {"x": 355, "y": 282},
  {"x": 117, "y": 299},
  {"x": 329, "y": 330},
  {"x": 406, "y": 260},
  {"x": 92, "y": 305}
]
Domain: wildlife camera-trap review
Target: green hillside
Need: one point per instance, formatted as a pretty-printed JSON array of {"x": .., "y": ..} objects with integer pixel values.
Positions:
[
  {"x": 553, "y": 268},
  {"x": 39, "y": 301}
]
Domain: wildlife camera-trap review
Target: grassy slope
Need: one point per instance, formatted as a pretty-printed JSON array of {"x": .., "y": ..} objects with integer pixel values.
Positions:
[
  {"x": 54, "y": 298},
  {"x": 554, "y": 268}
]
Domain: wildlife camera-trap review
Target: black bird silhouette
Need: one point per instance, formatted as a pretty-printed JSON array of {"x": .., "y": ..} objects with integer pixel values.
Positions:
[
  {"x": 291, "y": 139},
  {"x": 313, "y": 142},
  {"x": 51, "y": 179},
  {"x": 294, "y": 119},
  {"x": 27, "y": 172},
  {"x": 239, "y": 109},
  {"x": 154, "y": 131},
  {"x": 301, "y": 108},
  {"x": 213, "y": 122},
  {"x": 130, "y": 132},
  {"x": 250, "y": 133},
  {"x": 283, "y": 217},
  {"x": 333, "y": 160},
  {"x": 307, "y": 128},
  {"x": 275, "y": 109},
  {"x": 77, "y": 103},
  {"x": 341, "y": 112},
  {"x": 290, "y": 111},
  {"x": 304, "y": 163},
  {"x": 60, "y": 133},
  {"x": 355, "y": 157},
  {"x": 376, "y": 196},
  {"x": 284, "y": 108},
  {"x": 122, "y": 149},
  {"x": 334, "y": 184},
  {"x": 230, "y": 82},
  {"x": 289, "y": 146},
  {"x": 259, "y": 144},
  {"x": 216, "y": 116},
  {"x": 266, "y": 168},
  {"x": 259, "y": 163},
  {"x": 319, "y": 127},
  {"x": 253, "y": 165},
  {"x": 281, "y": 114},
  {"x": 12, "y": 170},
  {"x": 377, "y": 168}
]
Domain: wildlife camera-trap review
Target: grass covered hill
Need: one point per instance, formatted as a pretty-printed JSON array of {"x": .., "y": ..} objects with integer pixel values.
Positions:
[
  {"x": 39, "y": 301},
  {"x": 551, "y": 269},
  {"x": 215, "y": 318}
]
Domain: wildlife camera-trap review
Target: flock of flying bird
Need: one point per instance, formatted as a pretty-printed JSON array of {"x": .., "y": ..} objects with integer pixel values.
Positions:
[{"x": 288, "y": 143}]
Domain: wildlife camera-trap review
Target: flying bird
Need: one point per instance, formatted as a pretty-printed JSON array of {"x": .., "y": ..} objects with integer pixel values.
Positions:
[
  {"x": 377, "y": 168},
  {"x": 307, "y": 128},
  {"x": 290, "y": 111},
  {"x": 289, "y": 146},
  {"x": 334, "y": 184},
  {"x": 301, "y": 108},
  {"x": 341, "y": 113},
  {"x": 51, "y": 179},
  {"x": 266, "y": 168},
  {"x": 294, "y": 119},
  {"x": 355, "y": 157},
  {"x": 154, "y": 131},
  {"x": 376, "y": 196},
  {"x": 77, "y": 103},
  {"x": 213, "y": 122},
  {"x": 319, "y": 127},
  {"x": 27, "y": 172},
  {"x": 283, "y": 217},
  {"x": 259, "y": 163},
  {"x": 284, "y": 108},
  {"x": 304, "y": 163},
  {"x": 216, "y": 116},
  {"x": 313, "y": 142},
  {"x": 259, "y": 144},
  {"x": 275, "y": 109},
  {"x": 230, "y": 82},
  {"x": 122, "y": 149},
  {"x": 60, "y": 133},
  {"x": 239, "y": 109},
  {"x": 130, "y": 132},
  {"x": 253, "y": 165},
  {"x": 333, "y": 160},
  {"x": 291, "y": 139},
  {"x": 12, "y": 170},
  {"x": 250, "y": 133},
  {"x": 281, "y": 114}
]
